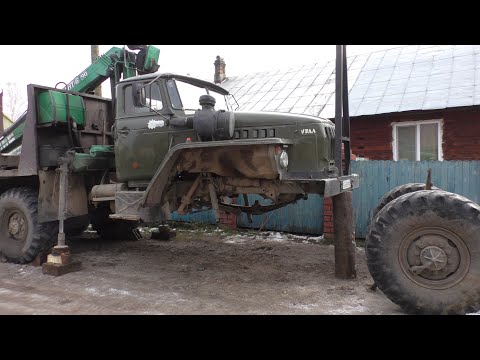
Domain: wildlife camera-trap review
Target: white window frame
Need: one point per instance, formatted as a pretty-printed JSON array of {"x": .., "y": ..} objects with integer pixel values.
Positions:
[{"x": 417, "y": 124}]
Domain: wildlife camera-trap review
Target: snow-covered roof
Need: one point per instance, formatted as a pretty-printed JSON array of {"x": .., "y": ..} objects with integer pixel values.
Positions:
[{"x": 412, "y": 77}]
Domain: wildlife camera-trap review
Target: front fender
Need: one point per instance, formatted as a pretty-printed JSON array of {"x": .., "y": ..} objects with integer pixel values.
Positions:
[{"x": 155, "y": 190}]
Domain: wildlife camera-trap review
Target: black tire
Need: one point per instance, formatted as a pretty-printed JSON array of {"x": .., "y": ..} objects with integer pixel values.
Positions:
[
  {"x": 397, "y": 192},
  {"x": 424, "y": 225},
  {"x": 18, "y": 209},
  {"x": 110, "y": 229}
]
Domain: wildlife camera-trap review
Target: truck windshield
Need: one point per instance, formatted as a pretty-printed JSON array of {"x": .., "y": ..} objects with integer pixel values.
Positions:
[{"x": 186, "y": 96}]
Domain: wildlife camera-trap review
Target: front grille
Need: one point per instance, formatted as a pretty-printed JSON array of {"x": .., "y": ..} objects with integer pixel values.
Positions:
[
  {"x": 330, "y": 132},
  {"x": 254, "y": 133}
]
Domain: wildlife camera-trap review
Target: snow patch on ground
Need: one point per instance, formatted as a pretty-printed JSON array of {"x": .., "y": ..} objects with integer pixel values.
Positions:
[
  {"x": 273, "y": 236},
  {"x": 118, "y": 292},
  {"x": 93, "y": 291},
  {"x": 304, "y": 307},
  {"x": 348, "y": 310}
]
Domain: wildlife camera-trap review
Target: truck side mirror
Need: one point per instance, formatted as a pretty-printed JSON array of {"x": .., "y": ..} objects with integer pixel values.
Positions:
[{"x": 138, "y": 94}]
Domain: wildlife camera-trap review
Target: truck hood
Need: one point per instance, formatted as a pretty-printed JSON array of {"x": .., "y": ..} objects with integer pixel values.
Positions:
[{"x": 254, "y": 119}]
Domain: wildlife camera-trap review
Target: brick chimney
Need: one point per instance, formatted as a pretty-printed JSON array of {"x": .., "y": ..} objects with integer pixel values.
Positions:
[{"x": 219, "y": 70}]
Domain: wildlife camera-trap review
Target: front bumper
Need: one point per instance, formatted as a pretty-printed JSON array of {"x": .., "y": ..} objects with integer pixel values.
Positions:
[{"x": 341, "y": 184}]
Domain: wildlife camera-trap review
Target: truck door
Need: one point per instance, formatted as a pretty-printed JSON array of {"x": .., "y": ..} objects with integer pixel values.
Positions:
[{"x": 141, "y": 135}]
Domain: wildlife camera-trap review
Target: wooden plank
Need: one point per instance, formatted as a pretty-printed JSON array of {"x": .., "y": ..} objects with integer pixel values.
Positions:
[
  {"x": 443, "y": 182},
  {"x": 466, "y": 177},
  {"x": 475, "y": 184},
  {"x": 458, "y": 185},
  {"x": 451, "y": 176}
]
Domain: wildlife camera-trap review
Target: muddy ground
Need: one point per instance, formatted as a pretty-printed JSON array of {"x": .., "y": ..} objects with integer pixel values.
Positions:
[{"x": 201, "y": 271}]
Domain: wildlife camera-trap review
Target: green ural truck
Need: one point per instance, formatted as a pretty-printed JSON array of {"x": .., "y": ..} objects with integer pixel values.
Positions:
[
  {"x": 164, "y": 143},
  {"x": 169, "y": 143}
]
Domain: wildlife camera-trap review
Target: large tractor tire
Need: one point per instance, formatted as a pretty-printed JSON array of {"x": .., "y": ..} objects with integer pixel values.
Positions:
[
  {"x": 397, "y": 192},
  {"x": 22, "y": 237},
  {"x": 110, "y": 229},
  {"x": 423, "y": 251}
]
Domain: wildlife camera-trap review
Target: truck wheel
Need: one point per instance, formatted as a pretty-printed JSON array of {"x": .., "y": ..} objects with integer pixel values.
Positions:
[
  {"x": 423, "y": 251},
  {"x": 110, "y": 229},
  {"x": 22, "y": 238},
  {"x": 397, "y": 192}
]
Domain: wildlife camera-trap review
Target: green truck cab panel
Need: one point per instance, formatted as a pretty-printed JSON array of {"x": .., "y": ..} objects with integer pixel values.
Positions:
[
  {"x": 54, "y": 106},
  {"x": 312, "y": 136}
]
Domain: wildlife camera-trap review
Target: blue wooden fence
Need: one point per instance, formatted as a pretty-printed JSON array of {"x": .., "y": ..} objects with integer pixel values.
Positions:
[
  {"x": 304, "y": 217},
  {"x": 379, "y": 177},
  {"x": 204, "y": 217},
  {"x": 376, "y": 178}
]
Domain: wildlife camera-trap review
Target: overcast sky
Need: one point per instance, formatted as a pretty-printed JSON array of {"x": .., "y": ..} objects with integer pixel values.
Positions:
[{"x": 50, "y": 64}]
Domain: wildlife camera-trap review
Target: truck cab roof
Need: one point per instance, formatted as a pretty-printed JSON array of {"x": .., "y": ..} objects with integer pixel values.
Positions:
[{"x": 187, "y": 79}]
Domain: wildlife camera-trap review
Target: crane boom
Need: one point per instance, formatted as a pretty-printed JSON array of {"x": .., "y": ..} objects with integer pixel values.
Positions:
[{"x": 115, "y": 64}]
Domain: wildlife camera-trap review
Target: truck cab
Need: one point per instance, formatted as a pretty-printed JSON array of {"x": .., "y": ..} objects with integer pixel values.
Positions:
[{"x": 171, "y": 130}]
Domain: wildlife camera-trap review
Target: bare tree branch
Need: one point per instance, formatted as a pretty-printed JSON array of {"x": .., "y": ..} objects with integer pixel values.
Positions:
[{"x": 15, "y": 102}]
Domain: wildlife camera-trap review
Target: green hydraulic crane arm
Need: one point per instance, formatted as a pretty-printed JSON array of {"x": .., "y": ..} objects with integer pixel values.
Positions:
[{"x": 111, "y": 65}]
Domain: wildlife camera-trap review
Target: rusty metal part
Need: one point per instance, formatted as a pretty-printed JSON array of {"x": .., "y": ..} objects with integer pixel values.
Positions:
[
  {"x": 98, "y": 120},
  {"x": 278, "y": 192},
  {"x": 434, "y": 257},
  {"x": 77, "y": 202},
  {"x": 256, "y": 208},
  {"x": 270, "y": 188},
  {"x": 17, "y": 225},
  {"x": 188, "y": 197},
  {"x": 165, "y": 174},
  {"x": 214, "y": 200},
  {"x": 106, "y": 192},
  {"x": 256, "y": 161},
  {"x": 428, "y": 183},
  {"x": 63, "y": 169}
]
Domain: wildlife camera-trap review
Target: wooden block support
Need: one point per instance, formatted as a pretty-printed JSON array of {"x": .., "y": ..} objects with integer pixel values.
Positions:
[
  {"x": 60, "y": 262},
  {"x": 60, "y": 269}
]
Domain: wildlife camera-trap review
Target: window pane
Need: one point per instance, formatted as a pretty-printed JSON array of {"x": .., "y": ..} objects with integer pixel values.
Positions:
[
  {"x": 429, "y": 142},
  {"x": 406, "y": 142},
  {"x": 154, "y": 98}
]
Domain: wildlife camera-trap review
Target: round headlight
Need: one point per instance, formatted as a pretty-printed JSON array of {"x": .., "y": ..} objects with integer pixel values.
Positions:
[{"x": 284, "y": 159}]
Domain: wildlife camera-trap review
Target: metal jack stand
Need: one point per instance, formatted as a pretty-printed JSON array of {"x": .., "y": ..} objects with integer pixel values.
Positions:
[{"x": 59, "y": 262}]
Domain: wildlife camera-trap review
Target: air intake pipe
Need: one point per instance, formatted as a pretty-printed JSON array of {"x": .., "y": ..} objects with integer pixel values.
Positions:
[{"x": 210, "y": 124}]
